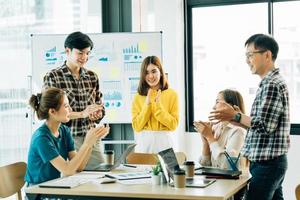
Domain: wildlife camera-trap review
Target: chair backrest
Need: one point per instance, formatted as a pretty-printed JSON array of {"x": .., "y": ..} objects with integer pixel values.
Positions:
[
  {"x": 181, "y": 157},
  {"x": 142, "y": 158},
  {"x": 12, "y": 179},
  {"x": 151, "y": 158},
  {"x": 244, "y": 163},
  {"x": 297, "y": 192}
]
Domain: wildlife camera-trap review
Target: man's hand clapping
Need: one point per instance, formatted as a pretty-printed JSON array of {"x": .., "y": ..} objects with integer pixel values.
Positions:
[{"x": 95, "y": 133}]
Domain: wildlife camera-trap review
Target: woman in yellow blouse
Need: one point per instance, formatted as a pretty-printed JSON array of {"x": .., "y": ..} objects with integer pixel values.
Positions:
[{"x": 154, "y": 109}]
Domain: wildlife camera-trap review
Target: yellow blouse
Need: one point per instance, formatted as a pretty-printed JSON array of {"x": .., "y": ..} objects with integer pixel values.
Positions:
[{"x": 160, "y": 116}]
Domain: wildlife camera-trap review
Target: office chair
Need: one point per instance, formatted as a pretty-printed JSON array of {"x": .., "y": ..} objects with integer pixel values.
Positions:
[
  {"x": 151, "y": 158},
  {"x": 12, "y": 179},
  {"x": 181, "y": 157},
  {"x": 142, "y": 158},
  {"x": 297, "y": 192}
]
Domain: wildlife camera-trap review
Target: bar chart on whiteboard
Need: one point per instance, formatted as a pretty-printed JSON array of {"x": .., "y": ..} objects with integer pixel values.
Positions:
[{"x": 116, "y": 58}]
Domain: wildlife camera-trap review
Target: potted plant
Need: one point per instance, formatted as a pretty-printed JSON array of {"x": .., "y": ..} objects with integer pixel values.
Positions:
[{"x": 156, "y": 174}]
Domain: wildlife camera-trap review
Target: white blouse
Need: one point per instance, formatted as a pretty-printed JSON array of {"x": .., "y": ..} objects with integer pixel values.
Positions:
[{"x": 230, "y": 138}]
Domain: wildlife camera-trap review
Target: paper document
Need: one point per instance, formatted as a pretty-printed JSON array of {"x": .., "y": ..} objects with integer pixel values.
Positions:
[
  {"x": 129, "y": 175},
  {"x": 73, "y": 181},
  {"x": 135, "y": 181},
  {"x": 89, "y": 175},
  {"x": 65, "y": 182}
]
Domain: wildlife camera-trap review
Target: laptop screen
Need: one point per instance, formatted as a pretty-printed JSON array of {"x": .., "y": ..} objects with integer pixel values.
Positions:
[
  {"x": 168, "y": 162},
  {"x": 124, "y": 155},
  {"x": 103, "y": 167}
]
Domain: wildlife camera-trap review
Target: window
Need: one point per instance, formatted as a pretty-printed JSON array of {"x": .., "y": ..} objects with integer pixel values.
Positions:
[
  {"x": 287, "y": 31},
  {"x": 218, "y": 52},
  {"x": 19, "y": 19},
  {"x": 216, "y": 33},
  {"x": 216, "y": 59}
]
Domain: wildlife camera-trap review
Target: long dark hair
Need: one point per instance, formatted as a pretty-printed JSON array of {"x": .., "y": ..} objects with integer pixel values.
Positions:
[
  {"x": 42, "y": 102},
  {"x": 233, "y": 97},
  {"x": 143, "y": 85}
]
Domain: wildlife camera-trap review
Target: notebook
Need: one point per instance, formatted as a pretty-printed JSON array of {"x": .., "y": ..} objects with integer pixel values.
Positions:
[
  {"x": 118, "y": 162},
  {"x": 169, "y": 163},
  {"x": 129, "y": 175},
  {"x": 65, "y": 182}
]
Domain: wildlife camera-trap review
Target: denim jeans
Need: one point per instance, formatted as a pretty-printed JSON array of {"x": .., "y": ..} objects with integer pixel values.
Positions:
[{"x": 267, "y": 178}]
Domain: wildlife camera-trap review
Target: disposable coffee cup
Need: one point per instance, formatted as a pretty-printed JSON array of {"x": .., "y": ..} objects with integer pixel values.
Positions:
[
  {"x": 179, "y": 178},
  {"x": 109, "y": 157},
  {"x": 189, "y": 167}
]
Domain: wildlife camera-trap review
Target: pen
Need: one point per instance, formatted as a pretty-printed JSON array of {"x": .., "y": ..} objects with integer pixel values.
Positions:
[
  {"x": 126, "y": 165},
  {"x": 231, "y": 163},
  {"x": 237, "y": 160}
]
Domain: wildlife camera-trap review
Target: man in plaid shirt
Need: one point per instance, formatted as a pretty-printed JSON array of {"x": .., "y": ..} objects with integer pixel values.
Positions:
[
  {"x": 82, "y": 88},
  {"x": 267, "y": 140}
]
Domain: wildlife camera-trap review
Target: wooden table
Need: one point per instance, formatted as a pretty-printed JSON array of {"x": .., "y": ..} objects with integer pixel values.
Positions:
[{"x": 220, "y": 190}]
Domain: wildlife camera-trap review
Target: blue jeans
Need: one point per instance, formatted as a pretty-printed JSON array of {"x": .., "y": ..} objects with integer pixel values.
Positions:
[{"x": 267, "y": 178}]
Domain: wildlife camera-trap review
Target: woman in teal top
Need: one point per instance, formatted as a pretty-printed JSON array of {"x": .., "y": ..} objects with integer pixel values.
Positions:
[{"x": 52, "y": 151}]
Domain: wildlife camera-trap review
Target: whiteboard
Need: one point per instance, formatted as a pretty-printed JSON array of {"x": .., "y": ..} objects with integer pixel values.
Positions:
[{"x": 116, "y": 58}]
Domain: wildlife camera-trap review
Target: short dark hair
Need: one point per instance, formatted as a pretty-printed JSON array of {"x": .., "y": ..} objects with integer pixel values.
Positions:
[
  {"x": 143, "y": 85},
  {"x": 264, "y": 42},
  {"x": 79, "y": 41},
  {"x": 49, "y": 98}
]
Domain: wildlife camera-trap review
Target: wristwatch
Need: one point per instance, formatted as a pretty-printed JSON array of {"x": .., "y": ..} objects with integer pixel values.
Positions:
[{"x": 237, "y": 117}]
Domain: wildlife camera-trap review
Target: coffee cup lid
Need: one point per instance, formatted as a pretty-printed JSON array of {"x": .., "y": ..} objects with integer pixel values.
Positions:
[
  {"x": 109, "y": 151},
  {"x": 179, "y": 172},
  {"x": 189, "y": 163}
]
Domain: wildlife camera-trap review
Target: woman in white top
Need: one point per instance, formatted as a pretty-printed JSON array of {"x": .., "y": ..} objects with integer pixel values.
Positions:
[{"x": 222, "y": 136}]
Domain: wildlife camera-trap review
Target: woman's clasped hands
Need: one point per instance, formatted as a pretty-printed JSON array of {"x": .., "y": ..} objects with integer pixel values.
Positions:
[
  {"x": 205, "y": 129},
  {"x": 151, "y": 92}
]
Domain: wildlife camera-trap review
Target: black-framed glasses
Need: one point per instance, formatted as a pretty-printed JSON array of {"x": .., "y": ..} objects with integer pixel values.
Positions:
[{"x": 251, "y": 53}]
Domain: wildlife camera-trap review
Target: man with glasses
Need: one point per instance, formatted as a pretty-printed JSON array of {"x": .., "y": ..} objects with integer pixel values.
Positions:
[
  {"x": 267, "y": 140},
  {"x": 82, "y": 88}
]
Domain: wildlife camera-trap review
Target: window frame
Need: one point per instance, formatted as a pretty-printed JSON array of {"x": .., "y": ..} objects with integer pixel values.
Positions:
[{"x": 188, "y": 31}]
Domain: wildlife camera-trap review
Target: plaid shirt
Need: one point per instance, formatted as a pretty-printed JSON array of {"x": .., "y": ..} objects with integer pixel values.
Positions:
[
  {"x": 268, "y": 135},
  {"x": 81, "y": 93}
]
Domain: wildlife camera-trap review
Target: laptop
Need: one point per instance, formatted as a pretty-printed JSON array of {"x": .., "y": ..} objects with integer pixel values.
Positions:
[
  {"x": 169, "y": 163},
  {"x": 122, "y": 160},
  {"x": 213, "y": 172}
]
